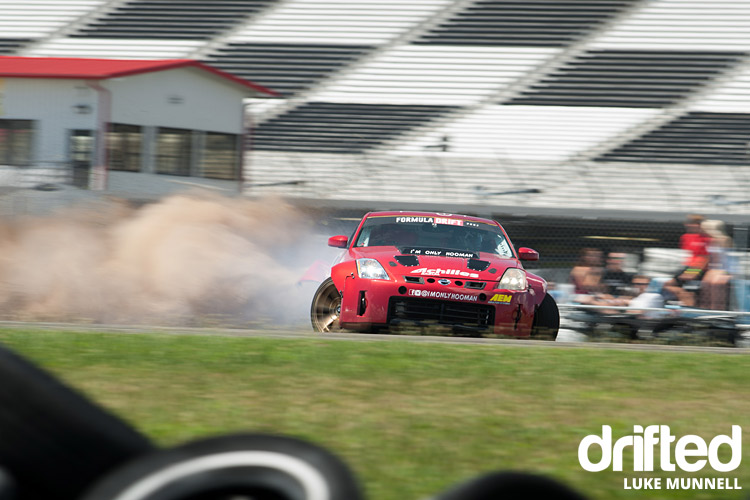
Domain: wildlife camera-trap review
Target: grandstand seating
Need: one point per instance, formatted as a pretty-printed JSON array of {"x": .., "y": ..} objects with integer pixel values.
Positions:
[
  {"x": 32, "y": 19},
  {"x": 696, "y": 137},
  {"x": 171, "y": 19},
  {"x": 286, "y": 68},
  {"x": 11, "y": 45},
  {"x": 730, "y": 94},
  {"x": 301, "y": 42},
  {"x": 114, "y": 48},
  {"x": 681, "y": 25},
  {"x": 628, "y": 78},
  {"x": 340, "y": 22},
  {"x": 572, "y": 103},
  {"x": 518, "y": 134},
  {"x": 354, "y": 127},
  {"x": 540, "y": 23},
  {"x": 433, "y": 74}
]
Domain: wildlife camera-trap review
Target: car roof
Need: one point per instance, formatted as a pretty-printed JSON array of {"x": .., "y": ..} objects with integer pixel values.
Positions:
[{"x": 410, "y": 213}]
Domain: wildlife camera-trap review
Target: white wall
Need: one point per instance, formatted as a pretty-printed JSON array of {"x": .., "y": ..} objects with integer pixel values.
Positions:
[
  {"x": 207, "y": 103},
  {"x": 182, "y": 98},
  {"x": 51, "y": 103}
]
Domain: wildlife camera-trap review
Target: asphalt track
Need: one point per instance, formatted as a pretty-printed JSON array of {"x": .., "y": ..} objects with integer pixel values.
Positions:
[{"x": 363, "y": 337}]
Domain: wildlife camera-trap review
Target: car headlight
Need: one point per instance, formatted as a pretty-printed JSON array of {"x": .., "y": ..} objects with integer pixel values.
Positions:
[
  {"x": 513, "y": 279},
  {"x": 370, "y": 269}
]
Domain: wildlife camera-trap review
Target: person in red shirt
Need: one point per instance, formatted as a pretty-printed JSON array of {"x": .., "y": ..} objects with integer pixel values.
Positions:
[{"x": 686, "y": 283}]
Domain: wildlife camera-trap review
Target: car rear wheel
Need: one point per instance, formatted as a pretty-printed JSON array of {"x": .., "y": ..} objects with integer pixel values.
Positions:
[
  {"x": 326, "y": 308},
  {"x": 546, "y": 320}
]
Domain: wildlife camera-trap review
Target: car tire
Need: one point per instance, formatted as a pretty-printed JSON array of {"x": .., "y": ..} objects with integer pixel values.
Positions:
[
  {"x": 257, "y": 466},
  {"x": 510, "y": 486},
  {"x": 54, "y": 442},
  {"x": 546, "y": 320},
  {"x": 326, "y": 308}
]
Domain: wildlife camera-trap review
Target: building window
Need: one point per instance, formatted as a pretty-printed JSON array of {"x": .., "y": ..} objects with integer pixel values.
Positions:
[
  {"x": 220, "y": 156},
  {"x": 124, "y": 147},
  {"x": 174, "y": 151},
  {"x": 15, "y": 142}
]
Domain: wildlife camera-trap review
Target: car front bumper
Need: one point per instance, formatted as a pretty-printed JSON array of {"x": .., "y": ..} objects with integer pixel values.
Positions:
[{"x": 382, "y": 303}]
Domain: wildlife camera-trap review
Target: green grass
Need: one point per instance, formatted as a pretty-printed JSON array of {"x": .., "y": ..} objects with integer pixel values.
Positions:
[{"x": 410, "y": 418}]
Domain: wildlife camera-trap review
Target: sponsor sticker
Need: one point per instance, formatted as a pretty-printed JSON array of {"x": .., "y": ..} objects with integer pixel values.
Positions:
[
  {"x": 444, "y": 272},
  {"x": 501, "y": 298},
  {"x": 690, "y": 453},
  {"x": 431, "y": 294},
  {"x": 449, "y": 222},
  {"x": 431, "y": 220},
  {"x": 435, "y": 252}
]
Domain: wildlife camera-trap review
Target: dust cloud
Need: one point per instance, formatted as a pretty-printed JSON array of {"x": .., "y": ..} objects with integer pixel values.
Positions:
[{"x": 187, "y": 260}]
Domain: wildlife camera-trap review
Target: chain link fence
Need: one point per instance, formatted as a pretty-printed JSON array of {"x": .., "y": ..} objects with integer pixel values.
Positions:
[
  {"x": 649, "y": 242},
  {"x": 649, "y": 246}
]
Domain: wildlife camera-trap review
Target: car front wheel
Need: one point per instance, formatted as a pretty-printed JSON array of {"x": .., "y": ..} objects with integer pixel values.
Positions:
[
  {"x": 546, "y": 320},
  {"x": 326, "y": 308}
]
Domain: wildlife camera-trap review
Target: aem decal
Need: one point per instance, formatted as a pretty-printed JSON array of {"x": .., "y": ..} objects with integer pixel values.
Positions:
[{"x": 501, "y": 298}]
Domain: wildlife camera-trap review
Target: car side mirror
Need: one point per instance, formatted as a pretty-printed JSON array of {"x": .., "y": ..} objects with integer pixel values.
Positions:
[
  {"x": 527, "y": 254},
  {"x": 338, "y": 241}
]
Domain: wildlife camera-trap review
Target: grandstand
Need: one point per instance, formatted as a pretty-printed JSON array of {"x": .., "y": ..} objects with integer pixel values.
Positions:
[{"x": 595, "y": 104}]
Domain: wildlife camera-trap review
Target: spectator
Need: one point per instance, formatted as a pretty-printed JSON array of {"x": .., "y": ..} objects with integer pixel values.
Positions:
[
  {"x": 634, "y": 293},
  {"x": 714, "y": 292},
  {"x": 586, "y": 276},
  {"x": 686, "y": 283},
  {"x": 615, "y": 279},
  {"x": 643, "y": 298}
]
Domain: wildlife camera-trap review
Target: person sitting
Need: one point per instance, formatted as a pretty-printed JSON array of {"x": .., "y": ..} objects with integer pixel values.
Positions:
[
  {"x": 635, "y": 294},
  {"x": 642, "y": 298},
  {"x": 615, "y": 278}
]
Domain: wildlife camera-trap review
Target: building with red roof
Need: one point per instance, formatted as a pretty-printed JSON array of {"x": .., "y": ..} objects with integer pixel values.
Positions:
[{"x": 101, "y": 121}]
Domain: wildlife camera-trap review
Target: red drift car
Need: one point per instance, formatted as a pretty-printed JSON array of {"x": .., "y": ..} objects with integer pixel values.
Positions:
[{"x": 430, "y": 268}]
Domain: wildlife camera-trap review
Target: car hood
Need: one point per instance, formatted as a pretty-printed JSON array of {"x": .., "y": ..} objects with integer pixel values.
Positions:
[{"x": 480, "y": 266}]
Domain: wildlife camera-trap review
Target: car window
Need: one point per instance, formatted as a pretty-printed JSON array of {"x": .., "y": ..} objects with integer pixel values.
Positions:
[{"x": 425, "y": 232}]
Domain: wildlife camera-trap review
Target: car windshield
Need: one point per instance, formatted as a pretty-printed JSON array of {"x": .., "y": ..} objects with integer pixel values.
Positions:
[{"x": 413, "y": 234}]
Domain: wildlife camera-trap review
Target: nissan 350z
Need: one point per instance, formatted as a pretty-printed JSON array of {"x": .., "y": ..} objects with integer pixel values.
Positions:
[{"x": 428, "y": 269}]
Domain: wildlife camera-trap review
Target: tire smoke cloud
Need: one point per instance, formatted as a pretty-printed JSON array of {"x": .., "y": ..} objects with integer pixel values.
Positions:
[{"x": 192, "y": 260}]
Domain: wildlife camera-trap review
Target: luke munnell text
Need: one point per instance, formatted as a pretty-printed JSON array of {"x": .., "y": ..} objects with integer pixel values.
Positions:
[{"x": 682, "y": 483}]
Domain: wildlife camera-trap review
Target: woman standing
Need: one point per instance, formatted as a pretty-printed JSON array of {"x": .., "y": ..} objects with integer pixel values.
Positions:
[{"x": 714, "y": 290}]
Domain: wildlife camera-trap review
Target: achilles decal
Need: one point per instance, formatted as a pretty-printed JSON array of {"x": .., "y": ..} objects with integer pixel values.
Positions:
[{"x": 444, "y": 272}]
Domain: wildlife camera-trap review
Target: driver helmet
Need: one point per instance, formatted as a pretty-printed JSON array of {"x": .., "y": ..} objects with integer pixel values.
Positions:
[{"x": 473, "y": 240}]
